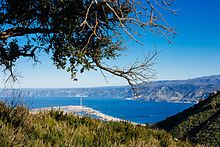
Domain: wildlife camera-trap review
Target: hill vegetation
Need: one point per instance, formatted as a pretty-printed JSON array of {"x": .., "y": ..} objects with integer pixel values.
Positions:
[
  {"x": 19, "y": 127},
  {"x": 200, "y": 123}
]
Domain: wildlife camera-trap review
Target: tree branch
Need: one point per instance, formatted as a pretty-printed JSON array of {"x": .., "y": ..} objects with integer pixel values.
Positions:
[
  {"x": 20, "y": 31},
  {"x": 137, "y": 73}
]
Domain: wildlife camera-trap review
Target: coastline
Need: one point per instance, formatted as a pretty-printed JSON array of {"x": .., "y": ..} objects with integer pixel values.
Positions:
[{"x": 79, "y": 110}]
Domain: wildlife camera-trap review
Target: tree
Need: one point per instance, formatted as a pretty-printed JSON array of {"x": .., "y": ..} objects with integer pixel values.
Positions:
[{"x": 79, "y": 34}]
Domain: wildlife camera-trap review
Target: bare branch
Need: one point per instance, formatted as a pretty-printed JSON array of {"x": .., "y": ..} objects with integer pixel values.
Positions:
[
  {"x": 87, "y": 13},
  {"x": 122, "y": 25},
  {"x": 136, "y": 73}
]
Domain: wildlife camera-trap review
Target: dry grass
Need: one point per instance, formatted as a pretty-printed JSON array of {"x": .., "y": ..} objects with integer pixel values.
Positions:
[{"x": 18, "y": 127}]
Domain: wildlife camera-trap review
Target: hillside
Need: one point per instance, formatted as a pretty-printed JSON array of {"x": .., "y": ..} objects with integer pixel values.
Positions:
[
  {"x": 191, "y": 90},
  {"x": 200, "y": 123},
  {"x": 19, "y": 127}
]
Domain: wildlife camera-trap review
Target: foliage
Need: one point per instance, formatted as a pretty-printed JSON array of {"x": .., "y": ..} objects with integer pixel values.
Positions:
[
  {"x": 54, "y": 128},
  {"x": 78, "y": 34},
  {"x": 200, "y": 123}
]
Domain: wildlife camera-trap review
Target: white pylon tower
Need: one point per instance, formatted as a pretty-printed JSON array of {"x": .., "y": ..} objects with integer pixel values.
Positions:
[{"x": 81, "y": 101}]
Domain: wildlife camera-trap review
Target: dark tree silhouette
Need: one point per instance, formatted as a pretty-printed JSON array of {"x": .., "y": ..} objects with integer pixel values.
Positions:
[{"x": 79, "y": 34}]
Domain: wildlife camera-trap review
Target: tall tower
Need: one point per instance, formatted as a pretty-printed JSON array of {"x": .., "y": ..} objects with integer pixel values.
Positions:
[{"x": 81, "y": 101}]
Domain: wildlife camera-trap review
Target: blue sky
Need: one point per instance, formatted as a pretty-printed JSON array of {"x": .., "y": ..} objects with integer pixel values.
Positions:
[{"x": 194, "y": 53}]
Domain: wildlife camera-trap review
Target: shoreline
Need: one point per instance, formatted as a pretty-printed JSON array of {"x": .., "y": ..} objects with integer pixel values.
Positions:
[{"x": 77, "y": 109}]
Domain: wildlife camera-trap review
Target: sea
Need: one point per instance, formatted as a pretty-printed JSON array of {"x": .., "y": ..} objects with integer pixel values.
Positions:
[{"x": 131, "y": 110}]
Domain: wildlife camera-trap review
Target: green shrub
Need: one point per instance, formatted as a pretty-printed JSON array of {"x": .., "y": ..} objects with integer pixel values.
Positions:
[{"x": 199, "y": 124}]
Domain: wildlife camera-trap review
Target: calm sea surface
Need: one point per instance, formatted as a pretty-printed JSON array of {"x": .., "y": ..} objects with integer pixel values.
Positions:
[{"x": 135, "y": 111}]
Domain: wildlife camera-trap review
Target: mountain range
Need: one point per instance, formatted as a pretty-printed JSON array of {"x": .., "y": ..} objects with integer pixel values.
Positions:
[{"x": 191, "y": 90}]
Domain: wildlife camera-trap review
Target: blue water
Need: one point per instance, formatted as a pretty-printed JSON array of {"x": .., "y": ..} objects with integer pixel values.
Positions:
[{"x": 135, "y": 111}]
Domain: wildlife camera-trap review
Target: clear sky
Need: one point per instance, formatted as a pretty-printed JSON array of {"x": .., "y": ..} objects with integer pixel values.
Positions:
[{"x": 195, "y": 52}]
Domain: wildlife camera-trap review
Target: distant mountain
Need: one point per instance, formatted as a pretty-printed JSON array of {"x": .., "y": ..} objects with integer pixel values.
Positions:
[
  {"x": 191, "y": 90},
  {"x": 104, "y": 92},
  {"x": 199, "y": 124}
]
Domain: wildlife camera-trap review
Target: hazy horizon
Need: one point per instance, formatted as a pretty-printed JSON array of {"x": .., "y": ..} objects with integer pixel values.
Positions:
[{"x": 105, "y": 86}]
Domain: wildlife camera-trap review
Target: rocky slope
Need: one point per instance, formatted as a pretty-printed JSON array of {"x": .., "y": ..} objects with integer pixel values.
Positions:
[{"x": 191, "y": 90}]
